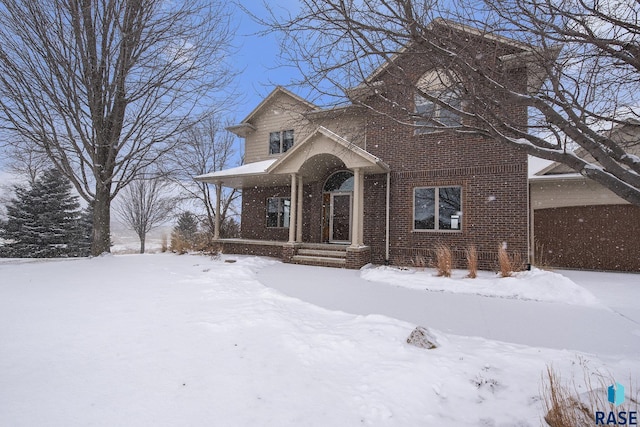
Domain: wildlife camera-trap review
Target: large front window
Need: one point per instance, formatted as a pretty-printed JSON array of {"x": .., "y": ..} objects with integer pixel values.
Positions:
[
  {"x": 437, "y": 208},
  {"x": 280, "y": 142},
  {"x": 278, "y": 211}
]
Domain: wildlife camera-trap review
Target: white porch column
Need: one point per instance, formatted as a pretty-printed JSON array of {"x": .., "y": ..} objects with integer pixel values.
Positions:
[
  {"x": 299, "y": 213},
  {"x": 293, "y": 208},
  {"x": 216, "y": 224},
  {"x": 356, "y": 229}
]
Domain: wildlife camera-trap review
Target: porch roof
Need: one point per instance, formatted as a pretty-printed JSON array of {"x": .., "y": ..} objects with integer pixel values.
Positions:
[
  {"x": 242, "y": 176},
  {"x": 321, "y": 150}
]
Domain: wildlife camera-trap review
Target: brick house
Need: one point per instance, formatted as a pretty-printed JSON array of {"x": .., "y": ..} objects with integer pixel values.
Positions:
[{"x": 357, "y": 184}]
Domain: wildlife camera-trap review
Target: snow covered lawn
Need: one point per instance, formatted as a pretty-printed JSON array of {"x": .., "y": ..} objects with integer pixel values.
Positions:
[{"x": 165, "y": 340}]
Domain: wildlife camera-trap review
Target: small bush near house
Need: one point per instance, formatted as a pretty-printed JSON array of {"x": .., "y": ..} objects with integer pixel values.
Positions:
[
  {"x": 509, "y": 264},
  {"x": 472, "y": 261},
  {"x": 444, "y": 260},
  {"x": 504, "y": 262}
]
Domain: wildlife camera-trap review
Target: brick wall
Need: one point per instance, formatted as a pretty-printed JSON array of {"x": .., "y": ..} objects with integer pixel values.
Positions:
[
  {"x": 493, "y": 178},
  {"x": 254, "y": 213}
]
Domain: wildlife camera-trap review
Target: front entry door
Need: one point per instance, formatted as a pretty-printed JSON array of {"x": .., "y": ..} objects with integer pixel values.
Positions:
[{"x": 340, "y": 218}]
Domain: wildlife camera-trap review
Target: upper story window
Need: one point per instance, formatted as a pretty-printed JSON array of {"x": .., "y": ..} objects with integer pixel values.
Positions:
[
  {"x": 431, "y": 115},
  {"x": 437, "y": 208},
  {"x": 280, "y": 142}
]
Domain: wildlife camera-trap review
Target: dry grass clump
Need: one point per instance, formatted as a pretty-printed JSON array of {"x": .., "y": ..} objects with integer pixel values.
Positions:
[
  {"x": 419, "y": 262},
  {"x": 180, "y": 244},
  {"x": 504, "y": 262},
  {"x": 509, "y": 264},
  {"x": 472, "y": 261},
  {"x": 164, "y": 244},
  {"x": 566, "y": 405},
  {"x": 444, "y": 260},
  {"x": 562, "y": 408}
]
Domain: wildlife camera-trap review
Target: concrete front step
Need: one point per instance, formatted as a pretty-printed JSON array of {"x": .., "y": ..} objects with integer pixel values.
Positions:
[
  {"x": 323, "y": 253},
  {"x": 325, "y": 246},
  {"x": 319, "y": 260}
]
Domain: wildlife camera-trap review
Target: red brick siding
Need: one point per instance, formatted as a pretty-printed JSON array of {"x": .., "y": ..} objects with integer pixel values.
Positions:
[{"x": 254, "y": 214}]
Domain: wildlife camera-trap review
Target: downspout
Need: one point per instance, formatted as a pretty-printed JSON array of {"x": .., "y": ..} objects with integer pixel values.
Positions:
[
  {"x": 386, "y": 254},
  {"x": 531, "y": 229}
]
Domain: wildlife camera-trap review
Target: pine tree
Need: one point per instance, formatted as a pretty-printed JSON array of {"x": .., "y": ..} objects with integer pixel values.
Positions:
[
  {"x": 187, "y": 225},
  {"x": 183, "y": 236},
  {"x": 44, "y": 220}
]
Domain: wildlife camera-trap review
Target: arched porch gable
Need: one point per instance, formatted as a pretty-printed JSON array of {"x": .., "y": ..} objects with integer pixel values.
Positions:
[{"x": 323, "y": 142}]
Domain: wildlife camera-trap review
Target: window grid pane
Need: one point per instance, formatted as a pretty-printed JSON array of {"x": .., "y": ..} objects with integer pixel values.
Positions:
[
  {"x": 424, "y": 208},
  {"x": 274, "y": 143},
  {"x": 287, "y": 140},
  {"x": 449, "y": 208}
]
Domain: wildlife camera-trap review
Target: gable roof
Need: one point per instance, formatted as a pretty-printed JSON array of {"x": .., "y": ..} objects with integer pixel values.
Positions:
[
  {"x": 245, "y": 126},
  {"x": 527, "y": 56},
  {"x": 322, "y": 141},
  {"x": 625, "y": 134}
]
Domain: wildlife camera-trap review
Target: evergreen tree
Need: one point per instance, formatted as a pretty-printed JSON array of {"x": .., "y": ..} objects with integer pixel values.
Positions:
[
  {"x": 187, "y": 226},
  {"x": 184, "y": 234},
  {"x": 44, "y": 220}
]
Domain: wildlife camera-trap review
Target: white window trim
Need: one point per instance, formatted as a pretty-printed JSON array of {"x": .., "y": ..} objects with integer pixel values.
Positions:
[{"x": 436, "y": 219}]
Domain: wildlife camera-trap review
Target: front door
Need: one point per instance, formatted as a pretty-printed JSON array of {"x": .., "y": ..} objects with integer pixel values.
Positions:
[{"x": 340, "y": 218}]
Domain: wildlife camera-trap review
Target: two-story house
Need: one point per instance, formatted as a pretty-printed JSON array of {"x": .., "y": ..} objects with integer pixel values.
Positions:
[{"x": 354, "y": 185}]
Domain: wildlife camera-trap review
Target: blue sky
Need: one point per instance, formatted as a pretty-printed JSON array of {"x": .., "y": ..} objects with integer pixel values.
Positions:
[{"x": 257, "y": 57}]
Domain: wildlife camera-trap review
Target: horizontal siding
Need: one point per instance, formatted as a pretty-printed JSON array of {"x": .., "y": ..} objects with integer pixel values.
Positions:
[
  {"x": 574, "y": 192},
  {"x": 281, "y": 113},
  {"x": 285, "y": 113}
]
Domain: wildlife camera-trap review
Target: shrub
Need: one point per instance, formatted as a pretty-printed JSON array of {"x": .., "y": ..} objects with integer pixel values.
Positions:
[
  {"x": 504, "y": 262},
  {"x": 444, "y": 260},
  {"x": 472, "y": 261},
  {"x": 509, "y": 264},
  {"x": 179, "y": 244}
]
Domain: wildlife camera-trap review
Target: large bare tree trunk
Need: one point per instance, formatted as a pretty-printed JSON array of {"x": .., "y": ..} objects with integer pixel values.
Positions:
[{"x": 101, "y": 241}]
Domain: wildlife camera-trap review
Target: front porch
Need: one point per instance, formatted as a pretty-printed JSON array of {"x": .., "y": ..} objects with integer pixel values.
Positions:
[
  {"x": 305, "y": 207},
  {"x": 318, "y": 254}
]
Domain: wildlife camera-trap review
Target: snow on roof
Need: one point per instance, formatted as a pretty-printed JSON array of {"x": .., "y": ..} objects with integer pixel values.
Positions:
[
  {"x": 537, "y": 165},
  {"x": 255, "y": 168}
]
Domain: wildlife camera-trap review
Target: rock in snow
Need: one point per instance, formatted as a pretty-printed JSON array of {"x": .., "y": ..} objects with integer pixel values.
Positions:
[{"x": 421, "y": 337}]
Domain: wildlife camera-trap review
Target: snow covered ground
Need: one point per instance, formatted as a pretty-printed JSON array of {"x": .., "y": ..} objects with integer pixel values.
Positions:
[{"x": 167, "y": 340}]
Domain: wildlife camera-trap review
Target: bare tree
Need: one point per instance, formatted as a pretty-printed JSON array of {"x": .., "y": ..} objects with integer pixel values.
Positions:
[
  {"x": 145, "y": 204},
  {"x": 104, "y": 87},
  {"x": 204, "y": 147},
  {"x": 26, "y": 161},
  {"x": 573, "y": 66}
]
